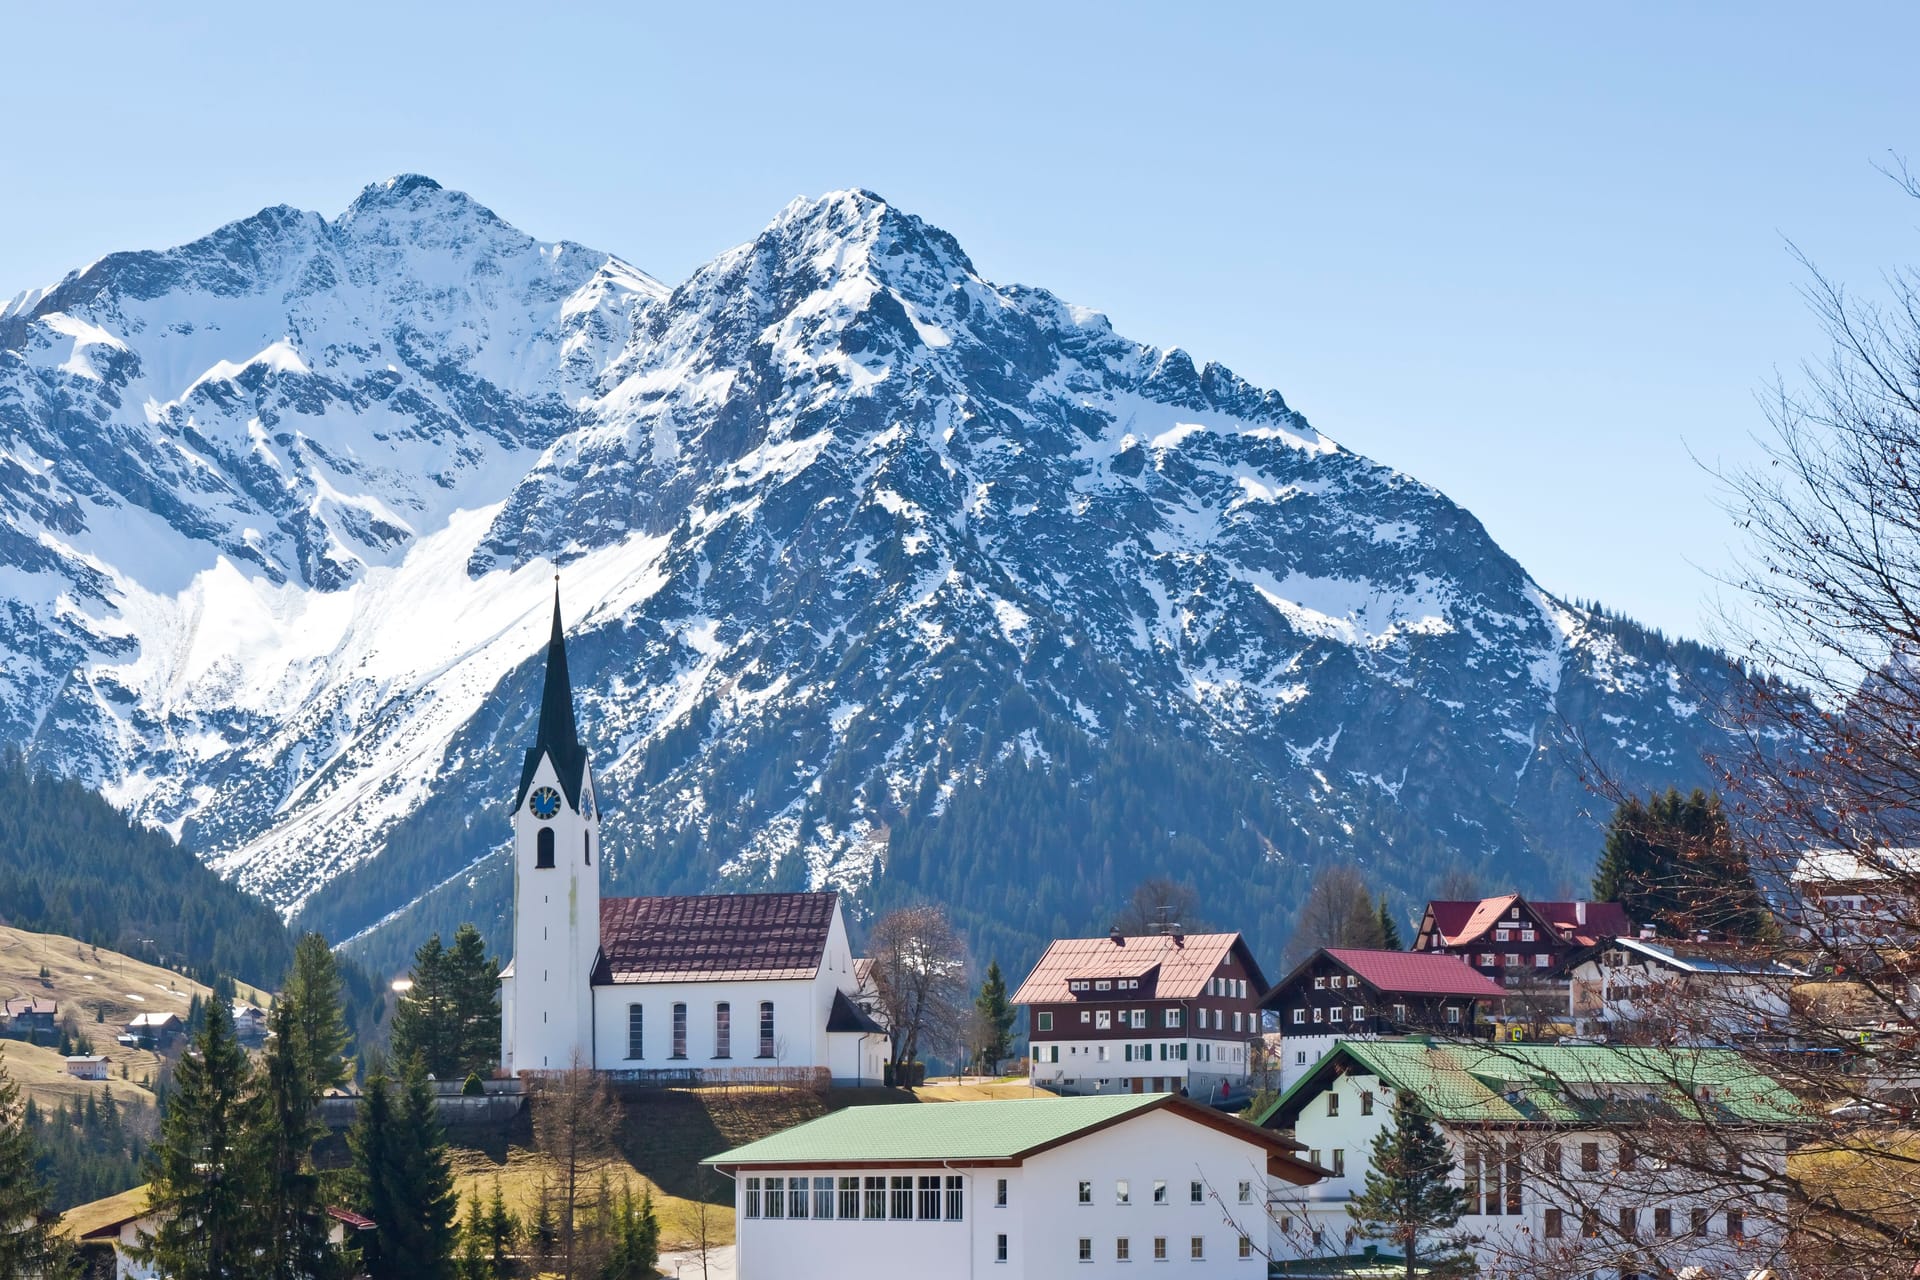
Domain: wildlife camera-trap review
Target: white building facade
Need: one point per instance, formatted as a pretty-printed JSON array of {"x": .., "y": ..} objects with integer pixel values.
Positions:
[
  {"x": 1040, "y": 1188},
  {"x": 1550, "y": 1198}
]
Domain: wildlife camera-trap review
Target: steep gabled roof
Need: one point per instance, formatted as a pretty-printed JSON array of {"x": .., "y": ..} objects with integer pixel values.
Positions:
[
  {"x": 1685, "y": 958},
  {"x": 845, "y": 1015},
  {"x": 1462, "y": 923},
  {"x": 1485, "y": 1083},
  {"x": 1410, "y": 973},
  {"x": 1185, "y": 964},
  {"x": 558, "y": 738},
  {"x": 713, "y": 937},
  {"x": 1000, "y": 1132}
]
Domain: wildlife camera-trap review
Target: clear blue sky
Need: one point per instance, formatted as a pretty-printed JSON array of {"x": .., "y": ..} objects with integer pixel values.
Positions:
[{"x": 1532, "y": 256}]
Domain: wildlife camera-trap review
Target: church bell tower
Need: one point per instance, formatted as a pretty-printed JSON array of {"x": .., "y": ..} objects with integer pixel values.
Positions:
[{"x": 546, "y": 994}]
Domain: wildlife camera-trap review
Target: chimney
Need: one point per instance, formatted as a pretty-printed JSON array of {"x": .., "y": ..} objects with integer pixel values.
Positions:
[
  {"x": 1580, "y": 913},
  {"x": 1116, "y": 937},
  {"x": 1178, "y": 934}
]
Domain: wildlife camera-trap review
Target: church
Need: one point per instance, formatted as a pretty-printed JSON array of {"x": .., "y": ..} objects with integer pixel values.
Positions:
[{"x": 708, "y": 988}]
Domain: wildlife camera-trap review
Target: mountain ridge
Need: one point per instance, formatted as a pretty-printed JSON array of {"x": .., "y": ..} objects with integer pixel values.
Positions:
[{"x": 849, "y": 534}]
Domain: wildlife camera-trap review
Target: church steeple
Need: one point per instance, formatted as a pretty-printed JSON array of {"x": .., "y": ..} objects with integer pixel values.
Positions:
[{"x": 558, "y": 738}]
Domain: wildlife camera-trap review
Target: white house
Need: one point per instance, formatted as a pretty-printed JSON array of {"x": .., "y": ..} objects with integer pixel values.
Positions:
[
  {"x": 1642, "y": 989},
  {"x": 718, "y": 986},
  {"x": 1843, "y": 897},
  {"x": 1091, "y": 1186},
  {"x": 1551, "y": 1145}
]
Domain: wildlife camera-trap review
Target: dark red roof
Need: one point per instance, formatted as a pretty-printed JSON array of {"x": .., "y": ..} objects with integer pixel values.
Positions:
[
  {"x": 347, "y": 1217},
  {"x": 719, "y": 936},
  {"x": 1416, "y": 973},
  {"x": 1604, "y": 920}
]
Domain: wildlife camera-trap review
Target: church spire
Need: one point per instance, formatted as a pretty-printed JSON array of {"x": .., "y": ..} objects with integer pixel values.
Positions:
[{"x": 558, "y": 737}]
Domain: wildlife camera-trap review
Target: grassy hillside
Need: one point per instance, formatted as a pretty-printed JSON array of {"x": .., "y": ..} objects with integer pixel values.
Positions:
[{"x": 97, "y": 991}]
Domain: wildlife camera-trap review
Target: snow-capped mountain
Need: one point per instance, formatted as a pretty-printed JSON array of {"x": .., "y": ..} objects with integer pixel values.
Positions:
[{"x": 877, "y": 574}]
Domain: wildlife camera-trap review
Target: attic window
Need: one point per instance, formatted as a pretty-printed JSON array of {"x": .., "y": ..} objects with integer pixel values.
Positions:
[
  {"x": 1319, "y": 984},
  {"x": 1514, "y": 914},
  {"x": 1102, "y": 985}
]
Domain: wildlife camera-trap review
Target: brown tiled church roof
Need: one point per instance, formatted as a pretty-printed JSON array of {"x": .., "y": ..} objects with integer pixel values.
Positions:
[{"x": 713, "y": 937}]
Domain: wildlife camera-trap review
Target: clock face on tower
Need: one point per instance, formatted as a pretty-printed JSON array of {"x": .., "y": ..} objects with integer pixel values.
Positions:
[{"x": 545, "y": 802}]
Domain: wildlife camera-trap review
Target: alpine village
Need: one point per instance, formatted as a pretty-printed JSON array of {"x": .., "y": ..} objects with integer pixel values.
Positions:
[{"x": 853, "y": 766}]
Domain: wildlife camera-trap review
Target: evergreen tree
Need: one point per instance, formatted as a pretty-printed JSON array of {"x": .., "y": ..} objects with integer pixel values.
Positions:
[
  {"x": 375, "y": 1141},
  {"x": 203, "y": 1186},
  {"x": 501, "y": 1232},
  {"x": 293, "y": 1214},
  {"x": 1671, "y": 862},
  {"x": 994, "y": 1016},
  {"x": 1389, "y": 929},
  {"x": 1409, "y": 1195},
  {"x": 313, "y": 989},
  {"x": 472, "y": 1263},
  {"x": 473, "y": 980},
  {"x": 405, "y": 1181},
  {"x": 633, "y": 1235},
  {"x": 33, "y": 1247},
  {"x": 450, "y": 1016},
  {"x": 425, "y": 1025},
  {"x": 543, "y": 1232}
]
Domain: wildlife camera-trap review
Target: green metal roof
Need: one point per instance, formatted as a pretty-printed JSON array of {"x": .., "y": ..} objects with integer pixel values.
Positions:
[
  {"x": 1485, "y": 1082},
  {"x": 933, "y": 1131}
]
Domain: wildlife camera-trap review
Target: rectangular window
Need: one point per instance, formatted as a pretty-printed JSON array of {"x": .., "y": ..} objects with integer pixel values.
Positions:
[
  {"x": 1628, "y": 1154},
  {"x": 1000, "y": 1193},
  {"x": 753, "y": 1197},
  {"x": 1246, "y": 1192},
  {"x": 797, "y": 1198},
  {"x": 1513, "y": 959},
  {"x": 1102, "y": 985},
  {"x": 1043, "y": 1022},
  {"x": 636, "y": 1027},
  {"x": 1333, "y": 1104},
  {"x": 1140, "y": 1019},
  {"x": 1500, "y": 935},
  {"x": 823, "y": 1197},
  {"x": 766, "y": 1028},
  {"x": 1103, "y": 1019},
  {"x": 956, "y": 1197},
  {"x": 1526, "y": 935},
  {"x": 1196, "y": 1193},
  {"x": 1159, "y": 1191},
  {"x": 1000, "y": 1248},
  {"x": 1339, "y": 1165},
  {"x": 1663, "y": 1222},
  {"x": 1513, "y": 1178},
  {"x": 1366, "y": 1102},
  {"x": 1236, "y": 1019},
  {"x": 1469, "y": 1179},
  {"x": 849, "y": 1197},
  {"x": 1589, "y": 1157},
  {"x": 1085, "y": 1017},
  {"x": 723, "y": 1030},
  {"x": 1736, "y": 1225},
  {"x": 1319, "y": 984},
  {"x": 1336, "y": 1014},
  {"x": 1699, "y": 1220},
  {"x": 1551, "y": 1224},
  {"x": 1086, "y": 1192},
  {"x": 679, "y": 1031},
  {"x": 1197, "y": 1248},
  {"x": 1550, "y": 1158},
  {"x": 1488, "y": 959},
  {"x": 1246, "y": 1248},
  {"x": 900, "y": 1189},
  {"x": 1359, "y": 1013},
  {"x": 876, "y": 1190},
  {"x": 1453, "y": 1013},
  {"x": 1122, "y": 1192},
  {"x": 1173, "y": 1017},
  {"x": 1629, "y": 1223},
  {"x": 1299, "y": 1016},
  {"x": 1122, "y": 1250},
  {"x": 1086, "y": 1249},
  {"x": 776, "y": 1197},
  {"x": 1318, "y": 1014},
  {"x": 1542, "y": 961},
  {"x": 1490, "y": 1182},
  {"x": 1159, "y": 1248},
  {"x": 930, "y": 1197}
]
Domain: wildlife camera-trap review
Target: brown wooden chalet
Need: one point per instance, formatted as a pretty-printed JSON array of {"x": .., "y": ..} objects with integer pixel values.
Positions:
[
  {"x": 1350, "y": 991},
  {"x": 1514, "y": 941},
  {"x": 1143, "y": 1013}
]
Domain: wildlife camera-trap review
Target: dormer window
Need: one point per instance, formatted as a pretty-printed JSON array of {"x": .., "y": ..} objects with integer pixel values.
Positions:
[{"x": 1103, "y": 985}]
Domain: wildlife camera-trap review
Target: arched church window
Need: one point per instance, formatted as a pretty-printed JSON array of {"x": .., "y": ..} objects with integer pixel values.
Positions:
[
  {"x": 586, "y": 846},
  {"x": 543, "y": 848}
]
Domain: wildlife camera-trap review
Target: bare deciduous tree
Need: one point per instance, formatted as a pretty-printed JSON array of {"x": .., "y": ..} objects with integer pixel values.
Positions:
[
  {"x": 1338, "y": 912},
  {"x": 1158, "y": 901},
  {"x": 920, "y": 977},
  {"x": 575, "y": 1120}
]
